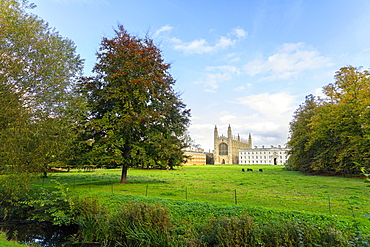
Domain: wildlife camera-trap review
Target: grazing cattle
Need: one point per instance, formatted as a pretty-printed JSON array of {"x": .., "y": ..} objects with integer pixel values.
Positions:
[
  {"x": 243, "y": 170},
  {"x": 249, "y": 170},
  {"x": 260, "y": 170}
]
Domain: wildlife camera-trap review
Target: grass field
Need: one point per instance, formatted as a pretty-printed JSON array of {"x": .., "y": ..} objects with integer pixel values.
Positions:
[{"x": 274, "y": 188}]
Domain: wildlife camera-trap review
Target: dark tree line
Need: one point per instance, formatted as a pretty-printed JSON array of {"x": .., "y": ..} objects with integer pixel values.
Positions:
[{"x": 331, "y": 133}]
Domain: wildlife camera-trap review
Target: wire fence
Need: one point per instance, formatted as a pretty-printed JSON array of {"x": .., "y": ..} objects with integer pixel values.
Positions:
[
  {"x": 332, "y": 205},
  {"x": 352, "y": 206}
]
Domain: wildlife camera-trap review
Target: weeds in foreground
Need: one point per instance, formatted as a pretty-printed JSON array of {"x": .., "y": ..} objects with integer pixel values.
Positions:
[{"x": 144, "y": 224}]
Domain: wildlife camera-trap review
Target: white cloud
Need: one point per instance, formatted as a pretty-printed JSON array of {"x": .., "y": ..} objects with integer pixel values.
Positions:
[
  {"x": 227, "y": 118},
  {"x": 202, "y": 134},
  {"x": 200, "y": 46},
  {"x": 233, "y": 57},
  {"x": 277, "y": 107},
  {"x": 264, "y": 131},
  {"x": 225, "y": 68},
  {"x": 216, "y": 74},
  {"x": 265, "y": 128},
  {"x": 319, "y": 92},
  {"x": 239, "y": 32},
  {"x": 165, "y": 28},
  {"x": 290, "y": 60},
  {"x": 244, "y": 87}
]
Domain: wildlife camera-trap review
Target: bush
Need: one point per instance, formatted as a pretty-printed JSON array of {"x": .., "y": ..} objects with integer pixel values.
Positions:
[
  {"x": 135, "y": 224},
  {"x": 14, "y": 191},
  {"x": 230, "y": 231},
  {"x": 93, "y": 220},
  {"x": 244, "y": 231}
]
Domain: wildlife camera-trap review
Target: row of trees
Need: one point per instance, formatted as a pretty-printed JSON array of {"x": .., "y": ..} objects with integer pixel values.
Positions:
[
  {"x": 127, "y": 114},
  {"x": 331, "y": 133}
]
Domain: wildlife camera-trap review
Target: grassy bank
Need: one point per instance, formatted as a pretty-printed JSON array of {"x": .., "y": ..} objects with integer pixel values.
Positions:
[
  {"x": 273, "y": 188},
  {"x": 144, "y": 221},
  {"x": 205, "y": 206}
]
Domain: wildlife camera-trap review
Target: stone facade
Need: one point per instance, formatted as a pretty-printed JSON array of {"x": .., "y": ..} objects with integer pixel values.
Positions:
[
  {"x": 264, "y": 156},
  {"x": 226, "y": 149},
  {"x": 196, "y": 156}
]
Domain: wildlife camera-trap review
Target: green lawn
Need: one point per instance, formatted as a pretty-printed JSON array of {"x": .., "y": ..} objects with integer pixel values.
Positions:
[{"x": 273, "y": 188}]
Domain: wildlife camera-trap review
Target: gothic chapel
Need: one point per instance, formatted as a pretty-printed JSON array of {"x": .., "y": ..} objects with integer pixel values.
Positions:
[{"x": 226, "y": 149}]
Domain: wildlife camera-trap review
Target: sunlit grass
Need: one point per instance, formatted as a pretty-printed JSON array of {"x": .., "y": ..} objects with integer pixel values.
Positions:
[{"x": 273, "y": 188}]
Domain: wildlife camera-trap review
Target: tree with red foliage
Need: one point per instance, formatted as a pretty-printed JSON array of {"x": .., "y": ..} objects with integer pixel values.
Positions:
[{"x": 135, "y": 115}]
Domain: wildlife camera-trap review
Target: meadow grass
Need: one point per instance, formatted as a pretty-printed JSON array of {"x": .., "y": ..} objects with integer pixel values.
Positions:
[
  {"x": 274, "y": 188},
  {"x": 5, "y": 243}
]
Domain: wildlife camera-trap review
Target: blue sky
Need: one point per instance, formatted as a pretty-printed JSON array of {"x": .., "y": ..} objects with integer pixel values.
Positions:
[{"x": 246, "y": 63}]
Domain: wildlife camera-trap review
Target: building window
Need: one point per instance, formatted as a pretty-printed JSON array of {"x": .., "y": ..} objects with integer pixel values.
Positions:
[{"x": 223, "y": 149}]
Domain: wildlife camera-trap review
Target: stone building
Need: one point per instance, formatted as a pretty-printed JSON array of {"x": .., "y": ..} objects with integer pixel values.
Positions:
[
  {"x": 196, "y": 156},
  {"x": 264, "y": 156},
  {"x": 226, "y": 148}
]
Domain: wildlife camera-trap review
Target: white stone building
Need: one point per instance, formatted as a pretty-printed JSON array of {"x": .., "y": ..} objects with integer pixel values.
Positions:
[{"x": 264, "y": 156}]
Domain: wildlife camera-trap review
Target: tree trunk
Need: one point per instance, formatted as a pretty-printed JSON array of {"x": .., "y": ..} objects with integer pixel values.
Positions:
[
  {"x": 124, "y": 174},
  {"x": 126, "y": 155}
]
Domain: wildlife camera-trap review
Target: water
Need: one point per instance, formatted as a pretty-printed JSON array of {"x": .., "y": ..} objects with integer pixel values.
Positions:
[{"x": 42, "y": 233}]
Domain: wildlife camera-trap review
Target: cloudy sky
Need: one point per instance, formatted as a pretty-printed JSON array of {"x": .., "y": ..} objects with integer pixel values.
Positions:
[{"x": 246, "y": 63}]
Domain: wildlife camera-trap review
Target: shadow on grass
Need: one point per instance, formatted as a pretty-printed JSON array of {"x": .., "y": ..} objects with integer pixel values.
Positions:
[{"x": 83, "y": 181}]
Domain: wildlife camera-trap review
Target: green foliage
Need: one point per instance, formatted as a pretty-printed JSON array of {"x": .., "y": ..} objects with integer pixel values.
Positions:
[
  {"x": 134, "y": 224},
  {"x": 38, "y": 96},
  {"x": 53, "y": 205},
  {"x": 14, "y": 189},
  {"x": 244, "y": 231},
  {"x": 300, "y": 157},
  {"x": 135, "y": 118},
  {"x": 19, "y": 200},
  {"x": 143, "y": 223},
  {"x": 93, "y": 220},
  {"x": 274, "y": 188},
  {"x": 233, "y": 231},
  {"x": 117, "y": 218},
  {"x": 330, "y": 134},
  {"x": 366, "y": 174}
]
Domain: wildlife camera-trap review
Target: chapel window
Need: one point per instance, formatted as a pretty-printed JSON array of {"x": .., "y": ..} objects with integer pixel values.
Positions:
[{"x": 223, "y": 149}]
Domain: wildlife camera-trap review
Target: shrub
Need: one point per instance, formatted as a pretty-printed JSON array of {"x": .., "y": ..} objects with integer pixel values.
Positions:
[
  {"x": 14, "y": 191},
  {"x": 141, "y": 224},
  {"x": 298, "y": 233},
  {"x": 244, "y": 231},
  {"x": 93, "y": 220},
  {"x": 135, "y": 224},
  {"x": 230, "y": 231}
]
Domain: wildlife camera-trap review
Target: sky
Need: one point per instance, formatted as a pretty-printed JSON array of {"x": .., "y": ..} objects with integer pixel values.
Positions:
[{"x": 244, "y": 63}]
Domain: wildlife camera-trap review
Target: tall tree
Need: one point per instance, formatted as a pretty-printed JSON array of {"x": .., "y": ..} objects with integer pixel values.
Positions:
[
  {"x": 300, "y": 135},
  {"x": 136, "y": 116},
  {"x": 338, "y": 127},
  {"x": 38, "y": 72}
]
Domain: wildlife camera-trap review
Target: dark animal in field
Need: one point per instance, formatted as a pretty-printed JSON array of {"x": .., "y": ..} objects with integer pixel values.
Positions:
[
  {"x": 243, "y": 170},
  {"x": 249, "y": 170},
  {"x": 260, "y": 170}
]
